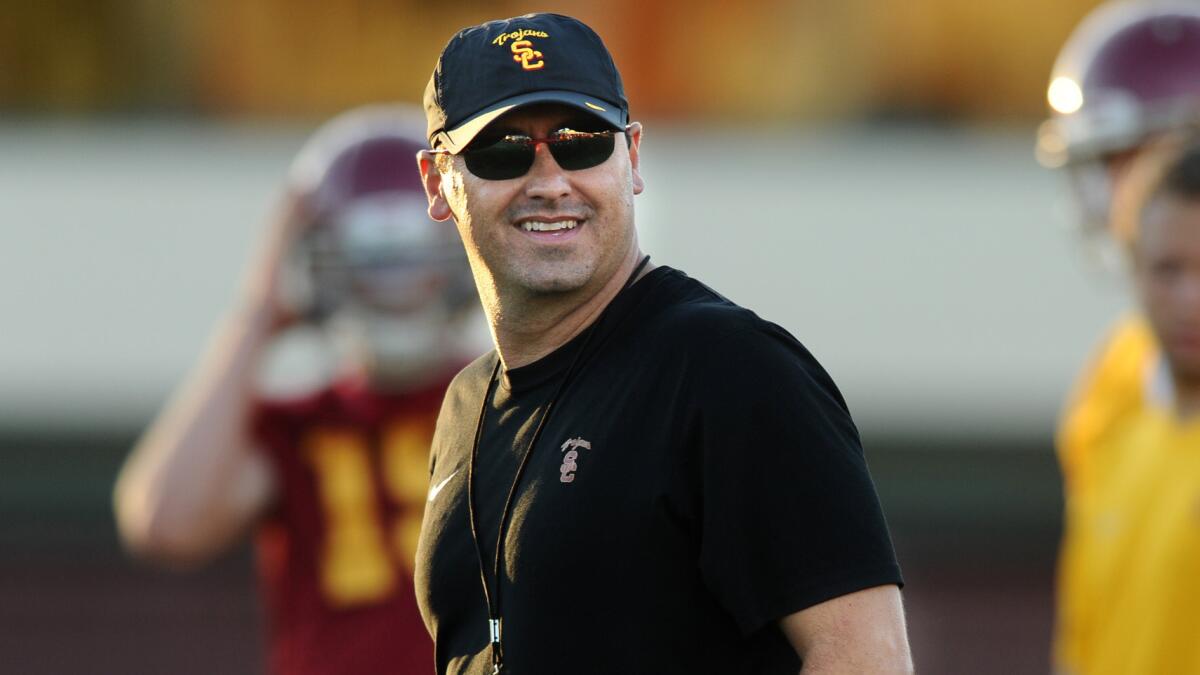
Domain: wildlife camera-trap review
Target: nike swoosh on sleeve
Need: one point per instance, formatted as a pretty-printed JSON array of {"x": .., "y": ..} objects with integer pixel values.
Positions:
[{"x": 433, "y": 491}]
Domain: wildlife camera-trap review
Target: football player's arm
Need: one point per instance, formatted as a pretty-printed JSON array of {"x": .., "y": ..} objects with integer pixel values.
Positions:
[
  {"x": 194, "y": 483},
  {"x": 861, "y": 632}
]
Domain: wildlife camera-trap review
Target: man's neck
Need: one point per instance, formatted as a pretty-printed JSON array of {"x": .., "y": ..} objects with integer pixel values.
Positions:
[
  {"x": 1187, "y": 398},
  {"x": 529, "y": 328}
]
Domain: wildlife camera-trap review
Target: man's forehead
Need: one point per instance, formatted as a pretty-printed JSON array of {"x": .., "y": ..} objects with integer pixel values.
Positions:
[
  {"x": 1170, "y": 222},
  {"x": 543, "y": 117},
  {"x": 1179, "y": 209}
]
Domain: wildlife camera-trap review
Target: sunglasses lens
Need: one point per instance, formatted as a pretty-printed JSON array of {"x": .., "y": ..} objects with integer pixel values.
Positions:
[
  {"x": 582, "y": 152},
  {"x": 501, "y": 160},
  {"x": 505, "y": 158}
]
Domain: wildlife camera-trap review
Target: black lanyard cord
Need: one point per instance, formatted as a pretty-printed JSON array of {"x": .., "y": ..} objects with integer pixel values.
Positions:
[{"x": 493, "y": 604}]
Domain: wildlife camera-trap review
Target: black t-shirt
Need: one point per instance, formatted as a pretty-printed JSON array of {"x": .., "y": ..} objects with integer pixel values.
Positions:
[{"x": 699, "y": 478}]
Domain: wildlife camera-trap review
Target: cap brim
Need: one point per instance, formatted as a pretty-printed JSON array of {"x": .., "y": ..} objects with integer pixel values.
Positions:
[{"x": 454, "y": 140}]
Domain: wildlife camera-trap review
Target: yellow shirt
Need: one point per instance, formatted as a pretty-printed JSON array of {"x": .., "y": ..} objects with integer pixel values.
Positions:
[{"x": 1129, "y": 571}]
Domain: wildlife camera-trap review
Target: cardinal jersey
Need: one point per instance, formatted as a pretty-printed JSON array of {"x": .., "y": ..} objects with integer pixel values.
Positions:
[
  {"x": 336, "y": 554},
  {"x": 1128, "y": 584}
]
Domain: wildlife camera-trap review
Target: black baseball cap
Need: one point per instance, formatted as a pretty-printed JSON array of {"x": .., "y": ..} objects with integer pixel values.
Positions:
[{"x": 487, "y": 70}]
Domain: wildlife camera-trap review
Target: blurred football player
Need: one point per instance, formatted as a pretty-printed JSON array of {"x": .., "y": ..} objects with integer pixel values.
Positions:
[
  {"x": 1128, "y": 78},
  {"x": 333, "y": 481}
]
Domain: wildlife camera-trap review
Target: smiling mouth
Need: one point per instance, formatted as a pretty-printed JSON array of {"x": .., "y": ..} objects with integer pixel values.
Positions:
[{"x": 545, "y": 226}]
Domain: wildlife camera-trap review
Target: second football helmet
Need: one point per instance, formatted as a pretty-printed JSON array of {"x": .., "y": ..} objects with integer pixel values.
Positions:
[
  {"x": 1130, "y": 71},
  {"x": 367, "y": 239}
]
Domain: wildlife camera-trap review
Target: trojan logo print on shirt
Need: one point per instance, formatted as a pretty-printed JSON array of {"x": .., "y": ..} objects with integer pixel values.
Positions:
[{"x": 569, "y": 467}]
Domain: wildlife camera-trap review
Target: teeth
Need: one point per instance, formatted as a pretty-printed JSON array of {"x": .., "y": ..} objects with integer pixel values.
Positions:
[{"x": 540, "y": 226}]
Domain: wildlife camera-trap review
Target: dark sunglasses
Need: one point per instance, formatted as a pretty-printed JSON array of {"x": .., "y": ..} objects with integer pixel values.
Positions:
[{"x": 511, "y": 156}]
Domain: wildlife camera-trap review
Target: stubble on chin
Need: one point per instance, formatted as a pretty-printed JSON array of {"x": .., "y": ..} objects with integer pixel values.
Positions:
[{"x": 551, "y": 277}]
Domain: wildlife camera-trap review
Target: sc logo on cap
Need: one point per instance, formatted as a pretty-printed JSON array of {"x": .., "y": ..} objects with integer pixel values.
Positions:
[{"x": 526, "y": 55}]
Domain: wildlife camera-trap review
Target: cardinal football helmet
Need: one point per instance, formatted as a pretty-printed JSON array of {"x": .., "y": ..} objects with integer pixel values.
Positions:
[
  {"x": 1130, "y": 71},
  {"x": 368, "y": 239}
]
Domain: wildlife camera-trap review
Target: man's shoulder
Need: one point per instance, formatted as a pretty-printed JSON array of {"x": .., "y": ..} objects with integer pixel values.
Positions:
[
  {"x": 1111, "y": 388},
  {"x": 479, "y": 368},
  {"x": 470, "y": 379},
  {"x": 1116, "y": 376},
  {"x": 724, "y": 343},
  {"x": 686, "y": 307}
]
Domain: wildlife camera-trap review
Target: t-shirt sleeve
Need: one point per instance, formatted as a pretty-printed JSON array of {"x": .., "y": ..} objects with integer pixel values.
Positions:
[{"x": 790, "y": 515}]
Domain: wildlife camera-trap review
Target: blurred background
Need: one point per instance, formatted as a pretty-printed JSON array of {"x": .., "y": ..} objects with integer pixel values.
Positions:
[{"x": 860, "y": 172}]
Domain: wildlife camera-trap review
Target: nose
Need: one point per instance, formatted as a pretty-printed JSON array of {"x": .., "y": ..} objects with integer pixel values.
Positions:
[{"x": 546, "y": 179}]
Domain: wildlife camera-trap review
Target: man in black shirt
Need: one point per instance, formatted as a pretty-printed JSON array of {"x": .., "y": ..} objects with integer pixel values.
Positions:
[{"x": 643, "y": 477}]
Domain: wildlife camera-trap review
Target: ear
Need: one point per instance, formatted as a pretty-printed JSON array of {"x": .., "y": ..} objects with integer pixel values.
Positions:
[
  {"x": 635, "y": 146},
  {"x": 431, "y": 178}
]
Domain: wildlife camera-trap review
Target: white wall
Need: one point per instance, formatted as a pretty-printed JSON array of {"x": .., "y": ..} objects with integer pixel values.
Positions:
[{"x": 932, "y": 272}]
